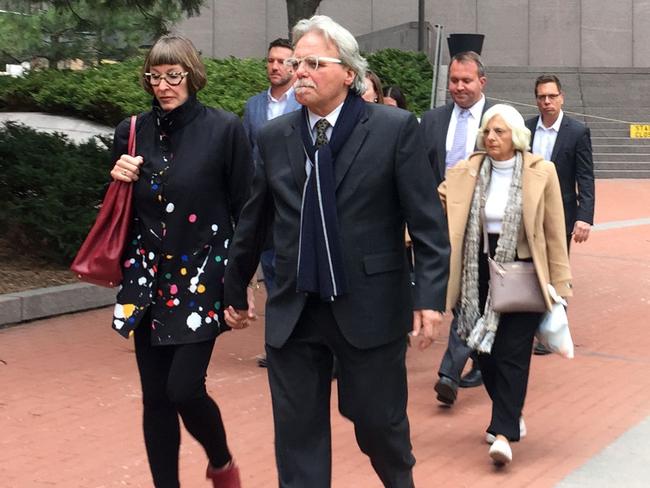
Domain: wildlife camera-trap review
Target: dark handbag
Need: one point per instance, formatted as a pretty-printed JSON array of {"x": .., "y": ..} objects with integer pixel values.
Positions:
[
  {"x": 514, "y": 287},
  {"x": 99, "y": 259}
]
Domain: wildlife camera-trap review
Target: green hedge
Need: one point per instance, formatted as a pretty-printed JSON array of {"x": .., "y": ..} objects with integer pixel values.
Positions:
[
  {"x": 49, "y": 187},
  {"x": 49, "y": 190},
  {"x": 411, "y": 71},
  {"x": 108, "y": 93}
]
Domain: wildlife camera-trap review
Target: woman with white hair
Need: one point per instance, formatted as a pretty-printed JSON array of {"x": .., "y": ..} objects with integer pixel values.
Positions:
[{"x": 511, "y": 197}]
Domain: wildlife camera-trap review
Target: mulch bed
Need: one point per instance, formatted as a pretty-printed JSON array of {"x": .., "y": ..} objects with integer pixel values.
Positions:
[{"x": 20, "y": 272}]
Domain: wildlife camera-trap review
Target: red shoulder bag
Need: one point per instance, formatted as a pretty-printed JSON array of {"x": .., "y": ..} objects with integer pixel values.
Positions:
[{"x": 99, "y": 259}]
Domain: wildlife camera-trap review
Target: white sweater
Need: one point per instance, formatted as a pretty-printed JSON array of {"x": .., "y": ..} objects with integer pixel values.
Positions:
[{"x": 497, "y": 195}]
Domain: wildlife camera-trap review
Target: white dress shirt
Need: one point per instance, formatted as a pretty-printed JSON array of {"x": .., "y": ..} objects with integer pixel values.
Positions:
[
  {"x": 277, "y": 106},
  {"x": 473, "y": 123},
  {"x": 545, "y": 137}
]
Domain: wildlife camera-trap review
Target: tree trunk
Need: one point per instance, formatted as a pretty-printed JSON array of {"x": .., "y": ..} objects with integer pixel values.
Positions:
[{"x": 300, "y": 9}]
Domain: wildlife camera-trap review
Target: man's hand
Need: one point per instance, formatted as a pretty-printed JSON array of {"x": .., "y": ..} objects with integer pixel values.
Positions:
[
  {"x": 425, "y": 326},
  {"x": 240, "y": 319},
  {"x": 581, "y": 231}
]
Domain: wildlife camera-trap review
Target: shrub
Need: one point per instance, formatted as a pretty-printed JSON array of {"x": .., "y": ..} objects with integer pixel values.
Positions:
[
  {"x": 49, "y": 190},
  {"x": 411, "y": 71},
  {"x": 108, "y": 93}
]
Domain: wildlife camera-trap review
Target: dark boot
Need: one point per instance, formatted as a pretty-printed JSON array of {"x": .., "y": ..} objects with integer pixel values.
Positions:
[
  {"x": 446, "y": 388},
  {"x": 541, "y": 350}
]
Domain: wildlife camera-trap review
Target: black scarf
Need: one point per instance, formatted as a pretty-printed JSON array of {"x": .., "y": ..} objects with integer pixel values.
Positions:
[{"x": 320, "y": 259}]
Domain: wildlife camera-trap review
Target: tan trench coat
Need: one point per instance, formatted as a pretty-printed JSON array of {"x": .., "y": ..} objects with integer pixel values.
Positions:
[{"x": 542, "y": 235}]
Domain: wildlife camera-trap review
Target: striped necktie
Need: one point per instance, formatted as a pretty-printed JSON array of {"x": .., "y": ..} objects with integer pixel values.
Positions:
[{"x": 459, "y": 145}]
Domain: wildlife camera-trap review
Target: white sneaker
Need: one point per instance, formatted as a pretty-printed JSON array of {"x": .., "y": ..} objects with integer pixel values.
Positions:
[
  {"x": 489, "y": 438},
  {"x": 500, "y": 452}
]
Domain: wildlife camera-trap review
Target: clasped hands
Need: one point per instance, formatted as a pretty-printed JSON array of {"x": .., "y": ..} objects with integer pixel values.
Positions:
[{"x": 240, "y": 319}]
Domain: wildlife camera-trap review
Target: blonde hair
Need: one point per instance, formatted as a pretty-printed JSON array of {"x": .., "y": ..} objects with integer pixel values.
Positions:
[
  {"x": 514, "y": 121},
  {"x": 175, "y": 49}
]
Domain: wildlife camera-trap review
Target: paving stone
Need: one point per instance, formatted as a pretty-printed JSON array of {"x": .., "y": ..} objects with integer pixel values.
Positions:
[{"x": 70, "y": 401}]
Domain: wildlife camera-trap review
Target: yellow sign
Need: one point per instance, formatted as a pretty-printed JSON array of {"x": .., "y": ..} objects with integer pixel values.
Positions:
[{"x": 639, "y": 131}]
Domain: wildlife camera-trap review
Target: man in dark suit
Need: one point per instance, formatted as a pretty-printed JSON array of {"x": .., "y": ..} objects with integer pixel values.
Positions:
[
  {"x": 567, "y": 142},
  {"x": 340, "y": 179},
  {"x": 450, "y": 134},
  {"x": 278, "y": 99}
]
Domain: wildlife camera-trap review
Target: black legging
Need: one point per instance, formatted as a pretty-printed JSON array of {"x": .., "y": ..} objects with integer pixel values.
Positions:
[{"x": 173, "y": 382}]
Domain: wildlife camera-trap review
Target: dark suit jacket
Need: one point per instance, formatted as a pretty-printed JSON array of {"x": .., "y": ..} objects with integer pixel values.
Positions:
[
  {"x": 383, "y": 179},
  {"x": 575, "y": 169},
  {"x": 434, "y": 126}
]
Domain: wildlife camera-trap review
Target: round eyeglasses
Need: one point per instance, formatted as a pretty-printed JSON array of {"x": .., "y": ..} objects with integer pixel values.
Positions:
[{"x": 173, "y": 78}]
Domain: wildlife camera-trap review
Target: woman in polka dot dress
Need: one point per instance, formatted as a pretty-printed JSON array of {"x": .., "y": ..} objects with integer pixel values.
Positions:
[{"x": 191, "y": 178}]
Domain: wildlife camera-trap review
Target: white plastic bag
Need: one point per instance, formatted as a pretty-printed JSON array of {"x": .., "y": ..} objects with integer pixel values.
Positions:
[{"x": 553, "y": 331}]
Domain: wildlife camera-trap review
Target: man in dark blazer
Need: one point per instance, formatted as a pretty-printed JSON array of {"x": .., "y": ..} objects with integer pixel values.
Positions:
[
  {"x": 567, "y": 143},
  {"x": 340, "y": 179},
  {"x": 447, "y": 143},
  {"x": 278, "y": 99}
]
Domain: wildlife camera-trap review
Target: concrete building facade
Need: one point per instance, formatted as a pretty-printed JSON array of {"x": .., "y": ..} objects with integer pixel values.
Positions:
[{"x": 575, "y": 33}]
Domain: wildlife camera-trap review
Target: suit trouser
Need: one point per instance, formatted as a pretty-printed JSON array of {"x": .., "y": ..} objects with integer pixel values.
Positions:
[
  {"x": 456, "y": 355},
  {"x": 372, "y": 393},
  {"x": 267, "y": 261},
  {"x": 506, "y": 369}
]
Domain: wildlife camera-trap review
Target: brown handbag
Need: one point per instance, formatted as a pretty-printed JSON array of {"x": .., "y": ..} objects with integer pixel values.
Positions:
[
  {"x": 514, "y": 287},
  {"x": 99, "y": 259}
]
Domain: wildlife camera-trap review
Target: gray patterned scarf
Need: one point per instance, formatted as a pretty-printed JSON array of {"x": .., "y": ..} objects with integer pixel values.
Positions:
[{"x": 476, "y": 329}]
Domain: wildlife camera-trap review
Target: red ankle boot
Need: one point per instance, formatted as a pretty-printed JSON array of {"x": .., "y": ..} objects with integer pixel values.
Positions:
[{"x": 226, "y": 477}]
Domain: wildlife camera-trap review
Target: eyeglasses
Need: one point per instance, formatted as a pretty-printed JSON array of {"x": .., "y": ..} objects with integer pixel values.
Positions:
[
  {"x": 551, "y": 97},
  {"x": 173, "y": 78},
  {"x": 312, "y": 63}
]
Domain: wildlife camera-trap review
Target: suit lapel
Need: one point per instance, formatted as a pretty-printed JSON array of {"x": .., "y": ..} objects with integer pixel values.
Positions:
[
  {"x": 296, "y": 153},
  {"x": 532, "y": 126},
  {"x": 561, "y": 137},
  {"x": 442, "y": 140},
  {"x": 262, "y": 110},
  {"x": 349, "y": 151}
]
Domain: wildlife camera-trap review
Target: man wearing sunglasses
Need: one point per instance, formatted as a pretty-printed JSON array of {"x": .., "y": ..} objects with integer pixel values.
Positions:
[
  {"x": 339, "y": 179},
  {"x": 567, "y": 143}
]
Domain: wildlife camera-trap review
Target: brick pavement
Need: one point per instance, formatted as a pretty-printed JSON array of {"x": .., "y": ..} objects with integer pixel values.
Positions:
[{"x": 70, "y": 400}]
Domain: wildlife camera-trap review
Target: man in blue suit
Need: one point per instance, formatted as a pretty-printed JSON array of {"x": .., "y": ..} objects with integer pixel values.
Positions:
[{"x": 277, "y": 100}]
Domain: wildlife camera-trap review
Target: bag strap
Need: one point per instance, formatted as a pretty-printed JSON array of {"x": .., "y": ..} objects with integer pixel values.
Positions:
[{"x": 131, "y": 146}]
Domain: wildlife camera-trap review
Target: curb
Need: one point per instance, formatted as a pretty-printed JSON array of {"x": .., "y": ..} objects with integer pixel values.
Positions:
[{"x": 46, "y": 302}]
